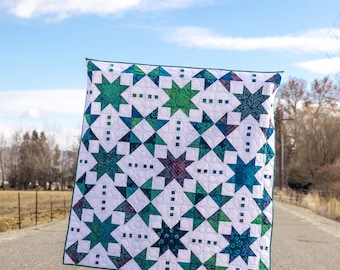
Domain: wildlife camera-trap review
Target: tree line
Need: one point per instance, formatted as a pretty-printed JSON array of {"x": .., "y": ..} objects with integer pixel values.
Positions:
[
  {"x": 307, "y": 122},
  {"x": 32, "y": 160},
  {"x": 308, "y": 134}
]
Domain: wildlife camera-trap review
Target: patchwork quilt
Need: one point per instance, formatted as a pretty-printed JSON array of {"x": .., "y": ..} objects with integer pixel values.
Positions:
[{"x": 175, "y": 169}]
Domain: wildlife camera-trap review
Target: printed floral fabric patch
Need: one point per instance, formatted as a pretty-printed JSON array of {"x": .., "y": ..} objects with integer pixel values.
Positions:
[{"x": 175, "y": 169}]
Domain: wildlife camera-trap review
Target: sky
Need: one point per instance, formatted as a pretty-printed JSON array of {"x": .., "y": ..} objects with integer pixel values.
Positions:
[{"x": 44, "y": 44}]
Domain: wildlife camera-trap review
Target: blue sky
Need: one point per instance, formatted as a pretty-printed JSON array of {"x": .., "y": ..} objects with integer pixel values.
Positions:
[{"x": 44, "y": 44}]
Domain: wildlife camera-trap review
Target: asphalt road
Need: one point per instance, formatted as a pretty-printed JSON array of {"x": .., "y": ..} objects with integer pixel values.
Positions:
[{"x": 301, "y": 240}]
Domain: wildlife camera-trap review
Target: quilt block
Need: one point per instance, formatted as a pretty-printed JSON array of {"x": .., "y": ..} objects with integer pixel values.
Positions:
[{"x": 175, "y": 169}]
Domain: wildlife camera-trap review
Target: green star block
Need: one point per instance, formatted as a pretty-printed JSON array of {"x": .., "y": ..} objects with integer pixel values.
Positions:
[
  {"x": 194, "y": 263},
  {"x": 262, "y": 220},
  {"x": 211, "y": 264},
  {"x": 217, "y": 196},
  {"x": 147, "y": 211},
  {"x": 100, "y": 232},
  {"x": 153, "y": 120},
  {"x": 198, "y": 195},
  {"x": 156, "y": 73},
  {"x": 151, "y": 143},
  {"x": 138, "y": 74},
  {"x": 90, "y": 68},
  {"x": 148, "y": 191},
  {"x": 180, "y": 98},
  {"x": 262, "y": 266},
  {"x": 142, "y": 261},
  {"x": 201, "y": 145},
  {"x": 196, "y": 215},
  {"x": 251, "y": 104},
  {"x": 110, "y": 93},
  {"x": 216, "y": 218},
  {"x": 107, "y": 163},
  {"x": 223, "y": 146}
]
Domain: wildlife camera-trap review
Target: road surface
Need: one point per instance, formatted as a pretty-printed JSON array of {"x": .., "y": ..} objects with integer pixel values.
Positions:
[{"x": 301, "y": 240}]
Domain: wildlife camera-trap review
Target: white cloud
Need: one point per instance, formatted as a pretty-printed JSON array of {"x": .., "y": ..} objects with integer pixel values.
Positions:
[
  {"x": 35, "y": 103},
  {"x": 32, "y": 113},
  {"x": 323, "y": 40},
  {"x": 57, "y": 112},
  {"x": 323, "y": 66},
  {"x": 61, "y": 9}
]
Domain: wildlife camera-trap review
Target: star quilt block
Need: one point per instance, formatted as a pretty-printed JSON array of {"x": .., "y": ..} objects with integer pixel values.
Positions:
[{"x": 175, "y": 169}]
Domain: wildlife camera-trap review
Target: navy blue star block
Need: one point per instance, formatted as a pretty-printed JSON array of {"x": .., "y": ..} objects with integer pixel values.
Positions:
[
  {"x": 239, "y": 245},
  {"x": 169, "y": 239}
]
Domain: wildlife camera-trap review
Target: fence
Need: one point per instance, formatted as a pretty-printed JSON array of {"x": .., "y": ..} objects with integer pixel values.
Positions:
[
  {"x": 321, "y": 202},
  {"x": 20, "y": 209}
]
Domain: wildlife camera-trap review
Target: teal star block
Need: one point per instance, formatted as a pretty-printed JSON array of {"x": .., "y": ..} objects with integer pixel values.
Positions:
[
  {"x": 244, "y": 174},
  {"x": 268, "y": 151},
  {"x": 204, "y": 125},
  {"x": 100, "y": 232},
  {"x": 251, "y": 104},
  {"x": 209, "y": 78},
  {"x": 81, "y": 184},
  {"x": 223, "y": 146}
]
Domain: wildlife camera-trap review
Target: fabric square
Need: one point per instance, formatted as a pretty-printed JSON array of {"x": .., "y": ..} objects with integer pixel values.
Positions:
[{"x": 179, "y": 169}]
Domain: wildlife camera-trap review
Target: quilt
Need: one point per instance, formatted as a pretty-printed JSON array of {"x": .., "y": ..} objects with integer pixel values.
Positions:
[{"x": 175, "y": 169}]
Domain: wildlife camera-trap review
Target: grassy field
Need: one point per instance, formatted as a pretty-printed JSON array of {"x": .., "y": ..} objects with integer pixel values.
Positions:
[
  {"x": 52, "y": 205},
  {"x": 327, "y": 205}
]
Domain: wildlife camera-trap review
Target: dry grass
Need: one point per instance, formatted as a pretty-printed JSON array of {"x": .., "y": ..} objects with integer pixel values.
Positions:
[
  {"x": 326, "y": 204},
  {"x": 9, "y": 214}
]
